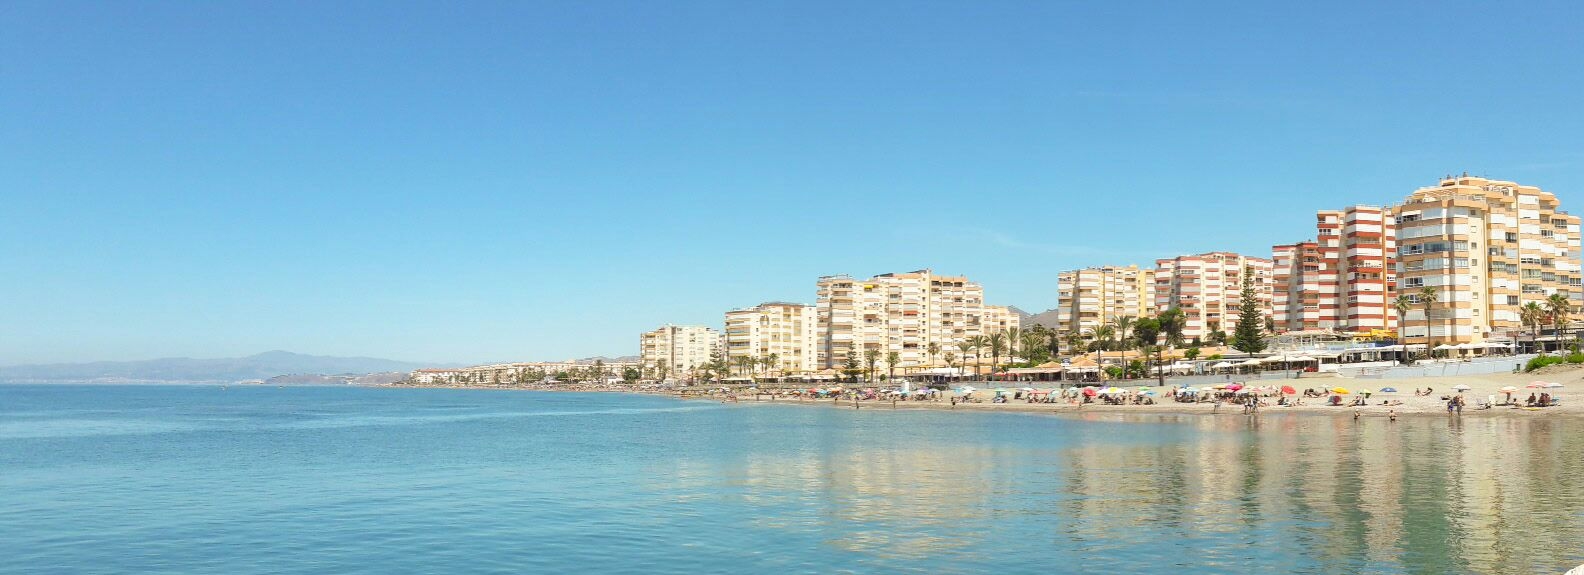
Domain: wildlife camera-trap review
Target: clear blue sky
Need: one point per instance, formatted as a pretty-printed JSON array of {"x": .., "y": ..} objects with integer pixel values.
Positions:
[{"x": 532, "y": 180}]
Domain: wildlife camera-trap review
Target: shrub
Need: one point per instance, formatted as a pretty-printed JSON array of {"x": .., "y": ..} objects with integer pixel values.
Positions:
[
  {"x": 1542, "y": 361},
  {"x": 1575, "y": 357}
]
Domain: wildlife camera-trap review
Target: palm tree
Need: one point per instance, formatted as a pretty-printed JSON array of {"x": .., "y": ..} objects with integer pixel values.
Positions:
[
  {"x": 1531, "y": 314},
  {"x": 1102, "y": 340},
  {"x": 892, "y": 358},
  {"x": 1014, "y": 337},
  {"x": 1427, "y": 296},
  {"x": 979, "y": 342},
  {"x": 964, "y": 346},
  {"x": 1032, "y": 340},
  {"x": 871, "y": 357},
  {"x": 933, "y": 349},
  {"x": 1075, "y": 341},
  {"x": 772, "y": 362},
  {"x": 950, "y": 357},
  {"x": 1403, "y": 303},
  {"x": 997, "y": 346},
  {"x": 1123, "y": 323},
  {"x": 1560, "y": 307}
]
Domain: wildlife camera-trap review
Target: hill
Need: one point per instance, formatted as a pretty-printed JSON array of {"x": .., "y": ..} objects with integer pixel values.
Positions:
[{"x": 189, "y": 370}]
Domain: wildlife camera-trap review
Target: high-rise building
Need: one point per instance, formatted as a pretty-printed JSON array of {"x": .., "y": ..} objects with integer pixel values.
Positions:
[
  {"x": 1207, "y": 288},
  {"x": 1343, "y": 281},
  {"x": 1089, "y": 298},
  {"x": 899, "y": 312},
  {"x": 999, "y": 318},
  {"x": 784, "y": 332},
  {"x": 1487, "y": 247},
  {"x": 677, "y": 349}
]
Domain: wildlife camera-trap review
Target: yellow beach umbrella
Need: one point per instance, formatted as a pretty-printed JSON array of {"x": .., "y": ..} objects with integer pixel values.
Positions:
[{"x": 1341, "y": 390}]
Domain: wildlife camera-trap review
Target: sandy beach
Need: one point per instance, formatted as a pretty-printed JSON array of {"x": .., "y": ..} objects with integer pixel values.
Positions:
[{"x": 1482, "y": 387}]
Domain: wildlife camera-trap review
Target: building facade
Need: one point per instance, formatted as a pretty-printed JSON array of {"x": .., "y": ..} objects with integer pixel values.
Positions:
[
  {"x": 778, "y": 331},
  {"x": 902, "y": 313},
  {"x": 1207, "y": 288},
  {"x": 1089, "y": 298},
  {"x": 677, "y": 349},
  {"x": 1487, "y": 247},
  {"x": 1344, "y": 280}
]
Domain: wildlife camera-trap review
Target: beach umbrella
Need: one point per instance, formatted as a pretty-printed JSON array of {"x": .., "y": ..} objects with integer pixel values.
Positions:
[
  {"x": 1508, "y": 389},
  {"x": 1364, "y": 391},
  {"x": 1234, "y": 387},
  {"x": 1288, "y": 389},
  {"x": 1340, "y": 390},
  {"x": 1388, "y": 390},
  {"x": 1553, "y": 385},
  {"x": 1461, "y": 387},
  {"x": 1089, "y": 391}
]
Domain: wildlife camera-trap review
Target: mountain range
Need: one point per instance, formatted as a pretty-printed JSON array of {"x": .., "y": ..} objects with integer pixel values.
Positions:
[{"x": 185, "y": 369}]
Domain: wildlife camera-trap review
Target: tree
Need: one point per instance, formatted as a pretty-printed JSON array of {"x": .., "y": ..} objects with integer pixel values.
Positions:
[
  {"x": 933, "y": 349},
  {"x": 1075, "y": 341},
  {"x": 1403, "y": 303},
  {"x": 1147, "y": 330},
  {"x": 1172, "y": 323},
  {"x": 1013, "y": 338},
  {"x": 892, "y": 359},
  {"x": 1560, "y": 307},
  {"x": 631, "y": 375},
  {"x": 950, "y": 358},
  {"x": 964, "y": 346},
  {"x": 1248, "y": 336},
  {"x": 871, "y": 357},
  {"x": 1531, "y": 314},
  {"x": 1428, "y": 297},
  {"x": 1123, "y": 324},
  {"x": 772, "y": 361},
  {"x": 997, "y": 347},
  {"x": 850, "y": 365},
  {"x": 1033, "y": 345},
  {"x": 979, "y": 342},
  {"x": 1191, "y": 354}
]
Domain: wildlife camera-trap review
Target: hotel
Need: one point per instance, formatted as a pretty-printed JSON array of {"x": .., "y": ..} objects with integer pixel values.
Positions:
[
  {"x": 784, "y": 331},
  {"x": 1487, "y": 247},
  {"x": 902, "y": 313},
  {"x": 1208, "y": 289},
  {"x": 1089, "y": 298},
  {"x": 1342, "y": 281},
  {"x": 677, "y": 349}
]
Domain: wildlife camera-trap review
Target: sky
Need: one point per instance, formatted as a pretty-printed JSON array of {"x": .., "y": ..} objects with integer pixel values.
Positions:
[{"x": 476, "y": 181}]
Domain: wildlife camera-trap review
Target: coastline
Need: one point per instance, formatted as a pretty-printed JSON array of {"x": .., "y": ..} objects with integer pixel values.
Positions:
[{"x": 1481, "y": 388}]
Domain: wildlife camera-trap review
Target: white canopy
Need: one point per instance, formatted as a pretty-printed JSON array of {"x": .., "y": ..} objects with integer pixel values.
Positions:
[
  {"x": 1444, "y": 347},
  {"x": 1251, "y": 362},
  {"x": 1470, "y": 346},
  {"x": 1221, "y": 365}
]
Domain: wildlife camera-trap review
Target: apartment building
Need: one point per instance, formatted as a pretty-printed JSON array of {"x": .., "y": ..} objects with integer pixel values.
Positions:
[
  {"x": 1207, "y": 287},
  {"x": 999, "y": 318},
  {"x": 1089, "y": 298},
  {"x": 1487, "y": 247},
  {"x": 678, "y": 348},
  {"x": 779, "y": 330},
  {"x": 900, "y": 312},
  {"x": 1343, "y": 280}
]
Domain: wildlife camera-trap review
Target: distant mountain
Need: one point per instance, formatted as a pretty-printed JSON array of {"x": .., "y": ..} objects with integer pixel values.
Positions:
[
  {"x": 183, "y": 369},
  {"x": 1046, "y": 318}
]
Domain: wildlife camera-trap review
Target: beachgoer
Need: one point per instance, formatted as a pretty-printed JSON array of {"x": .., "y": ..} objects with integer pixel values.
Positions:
[{"x": 1392, "y": 414}]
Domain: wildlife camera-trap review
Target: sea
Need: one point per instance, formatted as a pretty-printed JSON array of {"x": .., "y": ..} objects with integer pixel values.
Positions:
[{"x": 263, "y": 479}]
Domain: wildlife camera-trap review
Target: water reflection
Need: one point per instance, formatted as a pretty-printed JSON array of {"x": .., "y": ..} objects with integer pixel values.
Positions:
[{"x": 1283, "y": 493}]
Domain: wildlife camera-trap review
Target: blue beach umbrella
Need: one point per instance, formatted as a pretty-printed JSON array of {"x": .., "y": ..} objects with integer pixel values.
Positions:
[{"x": 1388, "y": 390}]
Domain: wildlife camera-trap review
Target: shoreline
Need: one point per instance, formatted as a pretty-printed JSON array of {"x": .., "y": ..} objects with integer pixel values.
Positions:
[{"x": 1482, "y": 388}]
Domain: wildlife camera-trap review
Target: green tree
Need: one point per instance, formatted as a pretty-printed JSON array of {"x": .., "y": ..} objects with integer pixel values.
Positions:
[
  {"x": 1402, "y": 304},
  {"x": 1148, "y": 331},
  {"x": 1560, "y": 307},
  {"x": 933, "y": 349},
  {"x": 1172, "y": 323},
  {"x": 1191, "y": 354},
  {"x": 979, "y": 342},
  {"x": 1248, "y": 336},
  {"x": 851, "y": 364},
  {"x": 964, "y": 346},
  {"x": 1428, "y": 297},
  {"x": 951, "y": 359},
  {"x": 871, "y": 357},
  {"x": 1531, "y": 314},
  {"x": 892, "y": 359},
  {"x": 1122, "y": 325},
  {"x": 998, "y": 342}
]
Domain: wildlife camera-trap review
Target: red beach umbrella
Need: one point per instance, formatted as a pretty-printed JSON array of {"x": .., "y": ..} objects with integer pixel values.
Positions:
[
  {"x": 1090, "y": 391},
  {"x": 1288, "y": 389}
]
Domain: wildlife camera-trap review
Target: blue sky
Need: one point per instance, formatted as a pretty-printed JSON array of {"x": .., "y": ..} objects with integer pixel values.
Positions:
[{"x": 531, "y": 180}]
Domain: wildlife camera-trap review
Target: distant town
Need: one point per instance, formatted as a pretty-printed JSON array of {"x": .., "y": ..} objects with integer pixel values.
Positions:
[{"x": 1377, "y": 286}]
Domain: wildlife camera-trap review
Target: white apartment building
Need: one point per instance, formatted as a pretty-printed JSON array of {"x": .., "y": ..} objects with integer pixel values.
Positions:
[
  {"x": 1208, "y": 287},
  {"x": 782, "y": 331},
  {"x": 1487, "y": 247},
  {"x": 902, "y": 313},
  {"x": 677, "y": 348},
  {"x": 1089, "y": 298}
]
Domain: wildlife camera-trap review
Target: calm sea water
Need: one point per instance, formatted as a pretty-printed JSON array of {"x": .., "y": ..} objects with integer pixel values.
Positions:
[{"x": 172, "y": 479}]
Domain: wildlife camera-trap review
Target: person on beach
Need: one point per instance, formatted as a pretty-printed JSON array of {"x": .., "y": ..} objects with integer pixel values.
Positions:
[{"x": 1391, "y": 414}]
